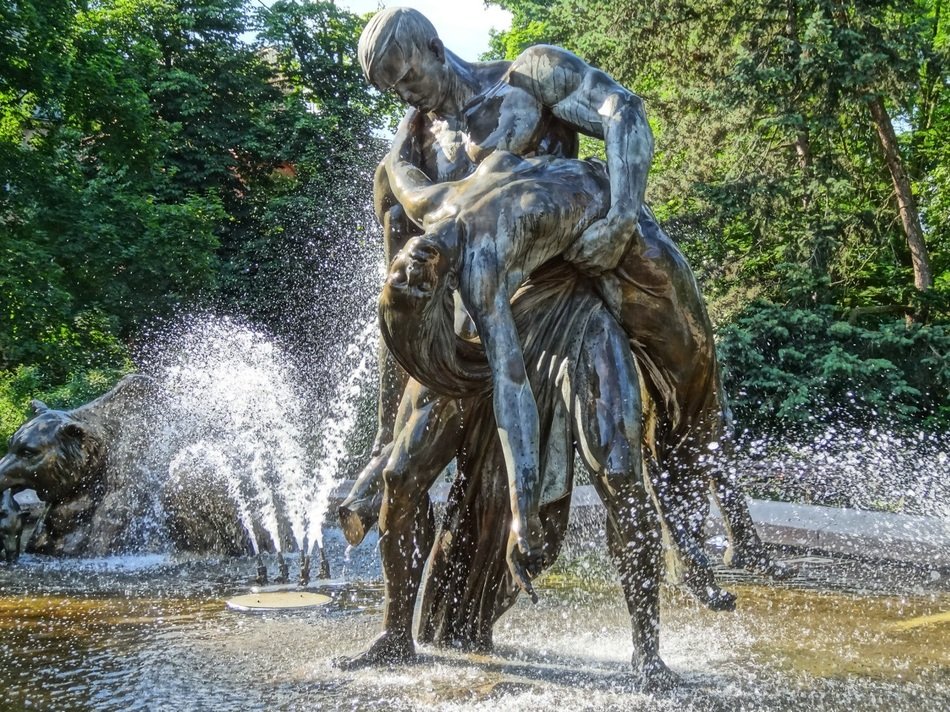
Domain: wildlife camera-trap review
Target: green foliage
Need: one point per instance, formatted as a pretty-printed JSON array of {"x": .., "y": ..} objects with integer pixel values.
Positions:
[
  {"x": 798, "y": 370},
  {"x": 290, "y": 252},
  {"x": 18, "y": 387},
  {"x": 769, "y": 172},
  {"x": 768, "y": 163},
  {"x": 529, "y": 26},
  {"x": 153, "y": 159}
]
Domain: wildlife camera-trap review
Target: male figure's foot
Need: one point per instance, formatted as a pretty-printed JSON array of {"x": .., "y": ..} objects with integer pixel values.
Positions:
[
  {"x": 653, "y": 675},
  {"x": 387, "y": 649}
]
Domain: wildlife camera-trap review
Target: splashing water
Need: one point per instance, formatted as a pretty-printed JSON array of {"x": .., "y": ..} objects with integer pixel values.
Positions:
[
  {"x": 205, "y": 457},
  {"x": 871, "y": 468},
  {"x": 346, "y": 398},
  {"x": 234, "y": 411}
]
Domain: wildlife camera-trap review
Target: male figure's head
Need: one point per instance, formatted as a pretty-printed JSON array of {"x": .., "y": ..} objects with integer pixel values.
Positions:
[{"x": 399, "y": 50}]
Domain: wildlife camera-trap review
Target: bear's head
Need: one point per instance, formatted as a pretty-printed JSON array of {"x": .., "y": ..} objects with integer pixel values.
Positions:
[{"x": 52, "y": 453}]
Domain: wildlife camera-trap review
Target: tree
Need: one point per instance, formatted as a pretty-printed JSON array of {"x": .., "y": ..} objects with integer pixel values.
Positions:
[
  {"x": 771, "y": 118},
  {"x": 153, "y": 160},
  {"x": 797, "y": 141}
]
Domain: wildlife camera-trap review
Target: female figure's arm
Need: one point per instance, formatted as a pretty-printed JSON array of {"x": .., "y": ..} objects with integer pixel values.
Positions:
[{"x": 516, "y": 412}]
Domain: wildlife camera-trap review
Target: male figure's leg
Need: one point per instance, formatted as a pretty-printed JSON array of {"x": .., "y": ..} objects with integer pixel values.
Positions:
[
  {"x": 607, "y": 410},
  {"x": 427, "y": 436}
]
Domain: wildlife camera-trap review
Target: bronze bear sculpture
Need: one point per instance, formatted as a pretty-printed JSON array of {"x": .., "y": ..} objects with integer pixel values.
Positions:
[
  {"x": 103, "y": 482},
  {"x": 69, "y": 459}
]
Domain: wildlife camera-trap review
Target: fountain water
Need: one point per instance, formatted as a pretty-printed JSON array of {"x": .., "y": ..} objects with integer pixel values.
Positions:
[
  {"x": 231, "y": 388},
  {"x": 237, "y": 419},
  {"x": 347, "y": 396},
  {"x": 204, "y": 457},
  {"x": 240, "y": 430},
  {"x": 866, "y": 468}
]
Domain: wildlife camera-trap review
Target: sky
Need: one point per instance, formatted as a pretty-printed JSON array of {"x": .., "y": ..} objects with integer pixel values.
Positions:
[{"x": 462, "y": 24}]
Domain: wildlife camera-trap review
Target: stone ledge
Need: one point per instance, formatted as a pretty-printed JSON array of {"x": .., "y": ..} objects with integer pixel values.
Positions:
[
  {"x": 871, "y": 535},
  {"x": 874, "y": 535}
]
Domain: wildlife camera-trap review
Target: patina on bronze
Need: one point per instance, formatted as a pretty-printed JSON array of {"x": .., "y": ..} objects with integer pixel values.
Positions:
[
  {"x": 68, "y": 457},
  {"x": 461, "y": 170}
]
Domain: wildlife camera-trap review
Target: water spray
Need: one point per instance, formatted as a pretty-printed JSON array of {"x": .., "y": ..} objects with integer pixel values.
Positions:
[
  {"x": 324, "y": 565},
  {"x": 304, "y": 569},
  {"x": 324, "y": 572}
]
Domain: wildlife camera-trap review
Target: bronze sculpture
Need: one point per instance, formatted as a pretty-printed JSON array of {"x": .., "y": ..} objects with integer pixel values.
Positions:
[
  {"x": 105, "y": 486},
  {"x": 467, "y": 113},
  {"x": 601, "y": 403},
  {"x": 66, "y": 456}
]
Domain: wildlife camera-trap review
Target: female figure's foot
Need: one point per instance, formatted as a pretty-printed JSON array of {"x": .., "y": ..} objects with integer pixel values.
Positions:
[{"x": 702, "y": 585}]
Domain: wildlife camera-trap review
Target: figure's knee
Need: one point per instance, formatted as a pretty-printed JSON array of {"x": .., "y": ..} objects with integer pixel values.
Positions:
[{"x": 396, "y": 484}]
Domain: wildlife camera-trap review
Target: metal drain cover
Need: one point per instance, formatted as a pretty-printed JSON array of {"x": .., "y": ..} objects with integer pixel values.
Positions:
[{"x": 277, "y": 601}]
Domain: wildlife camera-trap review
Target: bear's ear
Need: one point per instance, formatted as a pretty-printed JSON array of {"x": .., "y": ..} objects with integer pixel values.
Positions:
[
  {"x": 38, "y": 406},
  {"x": 73, "y": 430}
]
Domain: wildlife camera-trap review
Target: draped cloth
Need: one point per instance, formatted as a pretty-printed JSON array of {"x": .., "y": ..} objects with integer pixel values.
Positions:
[
  {"x": 653, "y": 296},
  {"x": 468, "y": 585}
]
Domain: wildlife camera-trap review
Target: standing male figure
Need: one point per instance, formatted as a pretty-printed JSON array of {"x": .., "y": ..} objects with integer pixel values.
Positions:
[
  {"x": 464, "y": 113},
  {"x": 536, "y": 105}
]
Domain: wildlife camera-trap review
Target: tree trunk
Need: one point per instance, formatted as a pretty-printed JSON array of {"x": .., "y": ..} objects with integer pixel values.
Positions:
[{"x": 910, "y": 218}]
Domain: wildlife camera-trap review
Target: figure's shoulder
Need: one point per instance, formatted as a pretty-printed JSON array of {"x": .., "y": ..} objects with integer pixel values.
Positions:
[
  {"x": 543, "y": 58},
  {"x": 491, "y": 71}
]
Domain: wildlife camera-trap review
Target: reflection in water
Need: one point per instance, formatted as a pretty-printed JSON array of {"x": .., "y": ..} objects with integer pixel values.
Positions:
[{"x": 152, "y": 633}]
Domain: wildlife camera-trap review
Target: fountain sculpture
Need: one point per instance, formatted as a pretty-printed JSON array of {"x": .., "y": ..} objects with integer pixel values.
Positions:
[
  {"x": 206, "y": 454},
  {"x": 218, "y": 451},
  {"x": 483, "y": 167}
]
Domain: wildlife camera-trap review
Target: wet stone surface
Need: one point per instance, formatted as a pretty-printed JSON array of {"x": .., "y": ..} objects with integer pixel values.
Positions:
[{"x": 153, "y": 633}]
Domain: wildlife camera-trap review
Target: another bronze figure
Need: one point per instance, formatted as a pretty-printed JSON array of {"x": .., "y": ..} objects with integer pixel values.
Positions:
[
  {"x": 65, "y": 456},
  {"x": 106, "y": 487}
]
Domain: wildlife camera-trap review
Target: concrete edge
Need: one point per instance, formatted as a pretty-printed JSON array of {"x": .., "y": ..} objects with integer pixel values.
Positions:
[{"x": 853, "y": 532}]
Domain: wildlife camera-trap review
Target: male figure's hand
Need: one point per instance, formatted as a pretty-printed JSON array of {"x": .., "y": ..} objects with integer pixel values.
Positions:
[{"x": 603, "y": 244}]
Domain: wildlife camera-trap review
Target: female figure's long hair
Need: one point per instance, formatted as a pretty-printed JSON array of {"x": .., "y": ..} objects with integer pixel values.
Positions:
[{"x": 419, "y": 329}]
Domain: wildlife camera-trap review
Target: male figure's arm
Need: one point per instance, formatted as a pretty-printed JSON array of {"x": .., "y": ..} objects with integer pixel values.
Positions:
[
  {"x": 417, "y": 194},
  {"x": 397, "y": 229},
  {"x": 593, "y": 103}
]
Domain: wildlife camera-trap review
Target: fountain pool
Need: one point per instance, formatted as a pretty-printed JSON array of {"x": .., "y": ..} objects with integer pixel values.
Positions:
[{"x": 153, "y": 633}]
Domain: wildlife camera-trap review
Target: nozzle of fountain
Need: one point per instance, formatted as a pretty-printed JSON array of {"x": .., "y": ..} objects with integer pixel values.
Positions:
[
  {"x": 261, "y": 579},
  {"x": 304, "y": 569},
  {"x": 283, "y": 573},
  {"x": 324, "y": 565}
]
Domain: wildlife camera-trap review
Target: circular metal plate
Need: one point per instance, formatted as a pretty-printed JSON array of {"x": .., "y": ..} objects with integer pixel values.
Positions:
[{"x": 277, "y": 600}]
